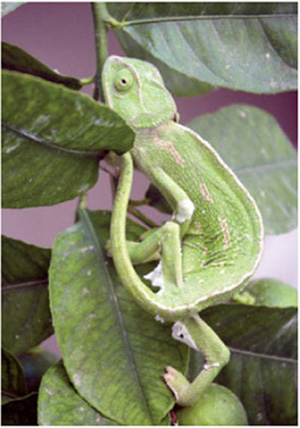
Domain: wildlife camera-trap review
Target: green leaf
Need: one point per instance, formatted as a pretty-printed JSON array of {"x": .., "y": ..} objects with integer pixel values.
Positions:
[
  {"x": 52, "y": 145},
  {"x": 59, "y": 403},
  {"x": 23, "y": 261},
  {"x": 196, "y": 46},
  {"x": 26, "y": 318},
  {"x": 262, "y": 370},
  {"x": 21, "y": 411},
  {"x": 16, "y": 59},
  {"x": 9, "y": 6},
  {"x": 251, "y": 142},
  {"x": 114, "y": 352},
  {"x": 35, "y": 363},
  {"x": 13, "y": 380},
  {"x": 273, "y": 293}
]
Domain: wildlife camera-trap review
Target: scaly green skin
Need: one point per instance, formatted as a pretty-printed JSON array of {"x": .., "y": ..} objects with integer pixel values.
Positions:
[{"x": 213, "y": 243}]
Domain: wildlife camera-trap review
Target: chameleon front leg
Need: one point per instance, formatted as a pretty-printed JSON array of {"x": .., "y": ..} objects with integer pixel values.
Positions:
[
  {"x": 183, "y": 209},
  {"x": 177, "y": 198},
  {"x": 197, "y": 334},
  {"x": 167, "y": 238}
]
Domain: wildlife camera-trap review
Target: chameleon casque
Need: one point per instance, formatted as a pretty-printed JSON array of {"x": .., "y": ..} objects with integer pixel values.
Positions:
[{"x": 213, "y": 243}]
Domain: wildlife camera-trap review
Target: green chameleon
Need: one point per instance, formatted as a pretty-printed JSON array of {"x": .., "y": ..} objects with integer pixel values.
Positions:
[{"x": 213, "y": 243}]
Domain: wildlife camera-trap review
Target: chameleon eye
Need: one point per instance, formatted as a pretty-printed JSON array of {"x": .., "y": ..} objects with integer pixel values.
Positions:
[{"x": 123, "y": 80}]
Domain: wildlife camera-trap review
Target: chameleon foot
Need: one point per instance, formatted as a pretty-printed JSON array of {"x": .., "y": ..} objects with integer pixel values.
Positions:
[{"x": 176, "y": 382}]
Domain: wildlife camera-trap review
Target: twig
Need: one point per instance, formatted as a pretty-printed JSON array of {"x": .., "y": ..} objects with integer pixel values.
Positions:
[
  {"x": 147, "y": 221},
  {"x": 100, "y": 17}
]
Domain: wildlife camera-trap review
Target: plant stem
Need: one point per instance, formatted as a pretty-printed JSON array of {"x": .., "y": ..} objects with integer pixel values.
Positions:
[
  {"x": 140, "y": 203},
  {"x": 100, "y": 17},
  {"x": 81, "y": 205},
  {"x": 147, "y": 221},
  {"x": 114, "y": 173}
]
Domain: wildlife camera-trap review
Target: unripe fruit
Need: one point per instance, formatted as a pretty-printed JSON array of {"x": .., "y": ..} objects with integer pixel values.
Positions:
[{"x": 217, "y": 406}]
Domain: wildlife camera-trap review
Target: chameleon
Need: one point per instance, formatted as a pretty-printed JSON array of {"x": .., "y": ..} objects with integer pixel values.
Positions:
[{"x": 213, "y": 242}]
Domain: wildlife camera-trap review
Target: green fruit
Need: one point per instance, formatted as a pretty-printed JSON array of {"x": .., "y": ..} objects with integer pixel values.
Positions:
[
  {"x": 273, "y": 293},
  {"x": 217, "y": 406}
]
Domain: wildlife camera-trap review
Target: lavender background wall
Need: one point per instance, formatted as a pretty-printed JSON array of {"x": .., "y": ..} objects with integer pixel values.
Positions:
[{"x": 61, "y": 35}]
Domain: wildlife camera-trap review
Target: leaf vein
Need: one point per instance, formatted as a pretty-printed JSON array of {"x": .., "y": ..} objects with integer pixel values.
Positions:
[{"x": 261, "y": 355}]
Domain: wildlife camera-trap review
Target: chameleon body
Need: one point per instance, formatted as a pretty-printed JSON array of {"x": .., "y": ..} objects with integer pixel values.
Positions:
[{"x": 213, "y": 243}]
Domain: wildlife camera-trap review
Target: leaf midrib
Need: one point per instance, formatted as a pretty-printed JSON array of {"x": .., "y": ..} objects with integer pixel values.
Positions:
[
  {"x": 262, "y": 355},
  {"x": 33, "y": 138},
  {"x": 24, "y": 284},
  {"x": 157, "y": 20}
]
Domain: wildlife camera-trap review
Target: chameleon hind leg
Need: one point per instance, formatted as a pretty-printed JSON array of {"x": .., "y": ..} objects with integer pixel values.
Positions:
[
  {"x": 197, "y": 334},
  {"x": 168, "y": 236},
  {"x": 165, "y": 240}
]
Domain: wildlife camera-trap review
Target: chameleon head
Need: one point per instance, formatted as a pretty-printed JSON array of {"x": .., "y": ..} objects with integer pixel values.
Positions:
[{"x": 136, "y": 91}]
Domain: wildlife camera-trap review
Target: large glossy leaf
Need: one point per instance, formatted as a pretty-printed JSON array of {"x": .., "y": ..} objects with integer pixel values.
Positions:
[
  {"x": 13, "y": 381},
  {"x": 263, "y": 366},
  {"x": 59, "y": 403},
  {"x": 243, "y": 46},
  {"x": 52, "y": 140},
  {"x": 251, "y": 142},
  {"x": 9, "y": 6},
  {"x": 114, "y": 352},
  {"x": 21, "y": 411},
  {"x": 16, "y": 59},
  {"x": 26, "y": 318}
]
